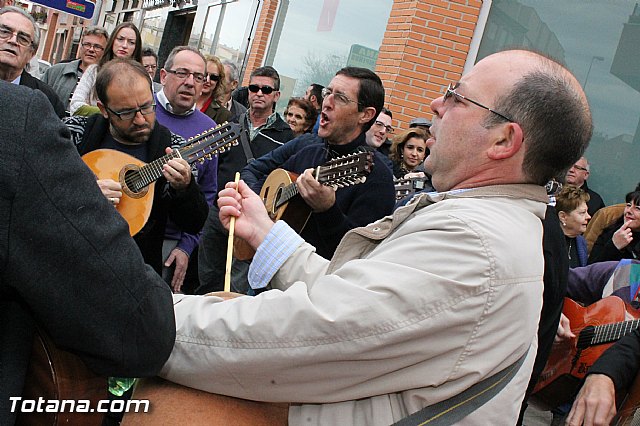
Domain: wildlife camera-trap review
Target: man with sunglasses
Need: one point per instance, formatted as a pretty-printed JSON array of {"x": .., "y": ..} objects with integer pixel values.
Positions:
[
  {"x": 417, "y": 307},
  {"x": 265, "y": 130},
  {"x": 183, "y": 77},
  {"x": 19, "y": 40},
  {"x": 64, "y": 77},
  {"x": 127, "y": 123}
]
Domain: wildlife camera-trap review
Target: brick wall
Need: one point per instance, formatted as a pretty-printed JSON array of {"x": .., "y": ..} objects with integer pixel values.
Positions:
[
  {"x": 261, "y": 39},
  {"x": 424, "y": 48}
]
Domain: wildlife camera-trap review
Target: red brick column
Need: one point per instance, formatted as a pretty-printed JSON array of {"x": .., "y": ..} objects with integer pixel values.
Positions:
[
  {"x": 424, "y": 48},
  {"x": 258, "y": 50}
]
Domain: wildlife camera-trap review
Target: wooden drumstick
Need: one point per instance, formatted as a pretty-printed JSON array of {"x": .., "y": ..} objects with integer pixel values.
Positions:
[{"x": 232, "y": 224}]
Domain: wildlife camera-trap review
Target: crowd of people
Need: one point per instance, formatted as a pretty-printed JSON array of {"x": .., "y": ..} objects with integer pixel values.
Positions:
[{"x": 368, "y": 312}]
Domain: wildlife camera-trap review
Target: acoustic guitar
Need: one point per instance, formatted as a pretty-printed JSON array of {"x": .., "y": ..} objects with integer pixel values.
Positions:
[
  {"x": 596, "y": 327},
  {"x": 137, "y": 178},
  {"x": 57, "y": 375},
  {"x": 280, "y": 192}
]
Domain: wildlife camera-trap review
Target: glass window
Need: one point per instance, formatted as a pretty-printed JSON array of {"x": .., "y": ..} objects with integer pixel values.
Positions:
[
  {"x": 311, "y": 40},
  {"x": 598, "y": 42}
]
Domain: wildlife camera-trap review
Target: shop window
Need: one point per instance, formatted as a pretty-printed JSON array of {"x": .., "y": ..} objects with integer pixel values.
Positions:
[{"x": 598, "y": 42}]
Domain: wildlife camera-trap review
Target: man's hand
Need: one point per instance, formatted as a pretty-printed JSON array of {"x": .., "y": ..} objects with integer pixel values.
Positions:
[
  {"x": 595, "y": 404},
  {"x": 319, "y": 197},
  {"x": 252, "y": 221},
  {"x": 181, "y": 260},
  {"x": 622, "y": 237},
  {"x": 177, "y": 172},
  {"x": 111, "y": 189},
  {"x": 564, "y": 330}
]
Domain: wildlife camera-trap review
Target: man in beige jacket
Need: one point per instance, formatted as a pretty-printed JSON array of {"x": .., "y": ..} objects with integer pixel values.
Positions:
[{"x": 414, "y": 308}]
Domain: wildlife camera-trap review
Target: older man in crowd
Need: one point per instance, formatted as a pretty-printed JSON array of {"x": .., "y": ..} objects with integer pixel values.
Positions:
[
  {"x": 19, "y": 40},
  {"x": 577, "y": 176}
]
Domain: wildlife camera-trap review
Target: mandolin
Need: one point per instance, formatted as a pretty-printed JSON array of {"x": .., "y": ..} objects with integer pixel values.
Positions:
[
  {"x": 280, "y": 193},
  {"x": 409, "y": 186},
  {"x": 137, "y": 178},
  {"x": 596, "y": 327}
]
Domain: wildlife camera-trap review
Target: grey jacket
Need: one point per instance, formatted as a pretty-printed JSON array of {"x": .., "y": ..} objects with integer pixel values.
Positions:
[
  {"x": 63, "y": 78},
  {"x": 67, "y": 261}
]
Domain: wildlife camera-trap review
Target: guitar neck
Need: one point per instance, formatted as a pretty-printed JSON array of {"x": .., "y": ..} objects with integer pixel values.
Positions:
[
  {"x": 606, "y": 333},
  {"x": 198, "y": 148}
]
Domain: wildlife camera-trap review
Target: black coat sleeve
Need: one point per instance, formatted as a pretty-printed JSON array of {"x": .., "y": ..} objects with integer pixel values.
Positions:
[
  {"x": 620, "y": 362},
  {"x": 67, "y": 254}
]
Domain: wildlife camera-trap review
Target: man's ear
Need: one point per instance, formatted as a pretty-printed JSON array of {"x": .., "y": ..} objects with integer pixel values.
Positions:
[
  {"x": 509, "y": 141},
  {"x": 163, "y": 76},
  {"x": 367, "y": 114},
  {"x": 103, "y": 110}
]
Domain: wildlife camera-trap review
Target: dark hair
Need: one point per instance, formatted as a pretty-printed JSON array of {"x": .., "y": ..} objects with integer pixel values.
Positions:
[
  {"x": 118, "y": 66},
  {"x": 310, "y": 112},
  {"x": 569, "y": 198},
  {"x": 633, "y": 197},
  {"x": 267, "y": 71},
  {"x": 168, "y": 64},
  {"x": 370, "y": 92},
  {"x": 147, "y": 51},
  {"x": 554, "y": 116},
  {"x": 397, "y": 145},
  {"x": 108, "y": 51},
  {"x": 316, "y": 90},
  {"x": 385, "y": 111}
]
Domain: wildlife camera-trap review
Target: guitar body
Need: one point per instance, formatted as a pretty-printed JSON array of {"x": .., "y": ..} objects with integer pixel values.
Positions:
[
  {"x": 135, "y": 207},
  {"x": 570, "y": 359},
  {"x": 173, "y": 404},
  {"x": 55, "y": 374}
]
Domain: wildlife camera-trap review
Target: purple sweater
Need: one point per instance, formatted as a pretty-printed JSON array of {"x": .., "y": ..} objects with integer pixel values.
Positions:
[{"x": 205, "y": 173}]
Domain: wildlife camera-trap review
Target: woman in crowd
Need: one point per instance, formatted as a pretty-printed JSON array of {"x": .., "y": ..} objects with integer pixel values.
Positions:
[
  {"x": 300, "y": 115},
  {"x": 571, "y": 207},
  {"x": 125, "y": 42},
  {"x": 212, "y": 90},
  {"x": 408, "y": 151},
  {"x": 622, "y": 239}
]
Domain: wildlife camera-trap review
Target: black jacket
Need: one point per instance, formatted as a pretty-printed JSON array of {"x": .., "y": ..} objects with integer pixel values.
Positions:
[{"x": 31, "y": 82}]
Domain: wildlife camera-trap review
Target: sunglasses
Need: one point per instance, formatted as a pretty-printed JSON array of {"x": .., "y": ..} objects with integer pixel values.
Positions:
[
  {"x": 213, "y": 77},
  {"x": 266, "y": 90}
]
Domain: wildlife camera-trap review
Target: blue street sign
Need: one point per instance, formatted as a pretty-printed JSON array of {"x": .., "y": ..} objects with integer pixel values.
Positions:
[{"x": 81, "y": 8}]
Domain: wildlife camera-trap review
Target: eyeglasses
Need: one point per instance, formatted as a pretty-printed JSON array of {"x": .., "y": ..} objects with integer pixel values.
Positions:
[
  {"x": 389, "y": 129},
  {"x": 22, "y": 38},
  {"x": 451, "y": 91},
  {"x": 96, "y": 47},
  {"x": 584, "y": 169},
  {"x": 266, "y": 90},
  {"x": 150, "y": 67},
  {"x": 129, "y": 41},
  {"x": 213, "y": 77},
  {"x": 340, "y": 97},
  {"x": 131, "y": 113},
  {"x": 183, "y": 73}
]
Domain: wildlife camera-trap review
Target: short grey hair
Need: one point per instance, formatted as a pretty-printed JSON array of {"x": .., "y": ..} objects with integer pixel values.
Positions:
[
  {"x": 21, "y": 11},
  {"x": 168, "y": 64},
  {"x": 233, "y": 69},
  {"x": 96, "y": 31}
]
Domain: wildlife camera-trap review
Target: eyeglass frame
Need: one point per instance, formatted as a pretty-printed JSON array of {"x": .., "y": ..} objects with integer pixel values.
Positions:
[
  {"x": 196, "y": 75},
  {"x": 134, "y": 111},
  {"x": 254, "y": 88},
  {"x": 389, "y": 129},
  {"x": 584, "y": 169},
  {"x": 31, "y": 42},
  {"x": 94, "y": 46},
  {"x": 344, "y": 99},
  {"x": 451, "y": 91}
]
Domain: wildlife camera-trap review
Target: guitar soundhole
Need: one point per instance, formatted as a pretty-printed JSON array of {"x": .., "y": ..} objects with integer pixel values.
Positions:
[{"x": 132, "y": 182}]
